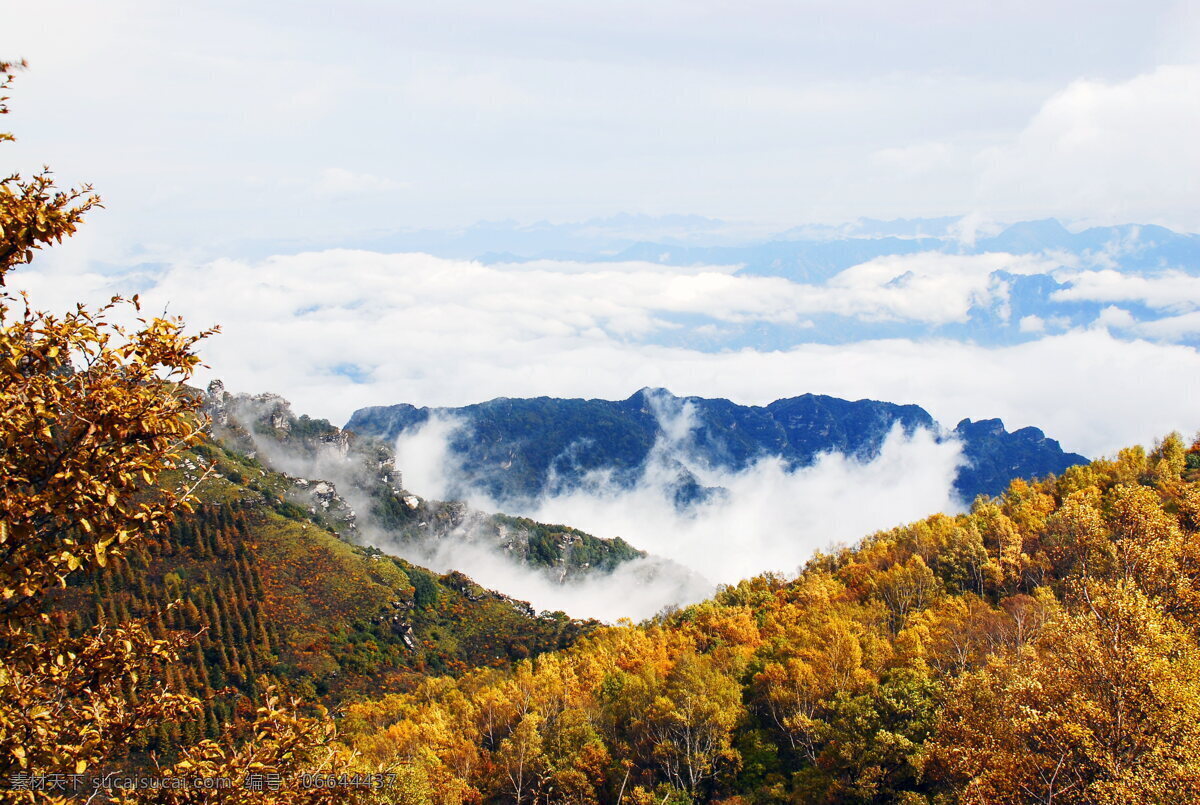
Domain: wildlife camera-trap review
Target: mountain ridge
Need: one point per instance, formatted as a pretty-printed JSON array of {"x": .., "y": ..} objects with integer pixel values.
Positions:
[{"x": 518, "y": 448}]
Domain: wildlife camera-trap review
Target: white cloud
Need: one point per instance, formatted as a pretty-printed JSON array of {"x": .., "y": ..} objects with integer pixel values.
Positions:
[
  {"x": 772, "y": 519},
  {"x": 1110, "y": 151},
  {"x": 1032, "y": 324},
  {"x": 1169, "y": 290},
  {"x": 972, "y": 226},
  {"x": 1171, "y": 328},
  {"x": 548, "y": 299},
  {"x": 1115, "y": 317},
  {"x": 932, "y": 287},
  {"x": 637, "y": 589}
]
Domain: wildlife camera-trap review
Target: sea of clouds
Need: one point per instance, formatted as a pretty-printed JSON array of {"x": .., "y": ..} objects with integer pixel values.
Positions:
[
  {"x": 338, "y": 330},
  {"x": 203, "y": 142}
]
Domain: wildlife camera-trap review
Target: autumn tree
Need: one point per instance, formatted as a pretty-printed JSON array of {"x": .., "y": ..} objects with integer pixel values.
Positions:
[
  {"x": 690, "y": 723},
  {"x": 1104, "y": 708},
  {"x": 907, "y": 588},
  {"x": 1040, "y": 648},
  {"x": 91, "y": 414}
]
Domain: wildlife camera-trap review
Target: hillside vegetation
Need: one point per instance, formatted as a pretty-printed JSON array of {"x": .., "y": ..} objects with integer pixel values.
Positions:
[
  {"x": 272, "y": 598},
  {"x": 1041, "y": 648}
]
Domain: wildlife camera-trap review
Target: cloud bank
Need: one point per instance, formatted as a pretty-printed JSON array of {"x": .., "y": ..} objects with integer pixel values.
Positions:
[{"x": 1124, "y": 150}]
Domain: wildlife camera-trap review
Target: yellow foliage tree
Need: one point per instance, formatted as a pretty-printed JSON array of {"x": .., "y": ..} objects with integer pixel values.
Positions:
[
  {"x": 690, "y": 723},
  {"x": 90, "y": 416},
  {"x": 1104, "y": 709}
]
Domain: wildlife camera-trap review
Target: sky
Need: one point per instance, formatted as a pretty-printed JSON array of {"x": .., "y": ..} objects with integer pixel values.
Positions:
[
  {"x": 264, "y": 166},
  {"x": 212, "y": 126}
]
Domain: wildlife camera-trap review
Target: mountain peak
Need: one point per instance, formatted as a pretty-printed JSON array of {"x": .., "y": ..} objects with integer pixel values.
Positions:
[{"x": 651, "y": 392}]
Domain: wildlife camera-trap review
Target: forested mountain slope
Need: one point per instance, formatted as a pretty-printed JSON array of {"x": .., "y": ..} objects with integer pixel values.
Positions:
[
  {"x": 276, "y": 598},
  {"x": 1042, "y": 647}
]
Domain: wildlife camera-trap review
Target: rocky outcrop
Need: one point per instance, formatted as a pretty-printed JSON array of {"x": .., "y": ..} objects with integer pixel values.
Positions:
[
  {"x": 995, "y": 456},
  {"x": 322, "y": 500},
  {"x": 214, "y": 403},
  {"x": 350, "y": 485}
]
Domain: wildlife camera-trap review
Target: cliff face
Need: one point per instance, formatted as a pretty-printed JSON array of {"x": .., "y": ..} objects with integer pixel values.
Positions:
[
  {"x": 515, "y": 449},
  {"x": 996, "y": 456}
]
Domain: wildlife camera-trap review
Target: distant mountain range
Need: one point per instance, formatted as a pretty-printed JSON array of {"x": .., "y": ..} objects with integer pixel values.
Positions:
[
  {"x": 519, "y": 449},
  {"x": 805, "y": 253},
  {"x": 809, "y": 255}
]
